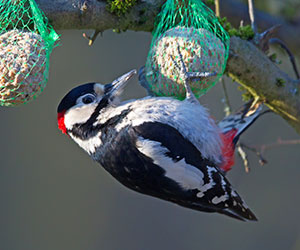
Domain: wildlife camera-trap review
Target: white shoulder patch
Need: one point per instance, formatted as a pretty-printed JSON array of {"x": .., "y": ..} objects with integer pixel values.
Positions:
[{"x": 186, "y": 175}]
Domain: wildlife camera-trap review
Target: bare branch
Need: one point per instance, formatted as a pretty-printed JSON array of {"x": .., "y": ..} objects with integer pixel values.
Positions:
[
  {"x": 92, "y": 14},
  {"x": 250, "y": 67},
  {"x": 278, "y": 143},
  {"x": 246, "y": 65},
  {"x": 217, "y": 7},
  {"x": 227, "y": 106},
  {"x": 93, "y": 37},
  {"x": 264, "y": 38},
  {"x": 262, "y": 161},
  {"x": 290, "y": 54},
  {"x": 252, "y": 16},
  {"x": 244, "y": 157},
  {"x": 259, "y": 150}
]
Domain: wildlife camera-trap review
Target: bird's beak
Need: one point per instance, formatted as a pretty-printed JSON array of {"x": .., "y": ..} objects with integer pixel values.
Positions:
[{"x": 116, "y": 87}]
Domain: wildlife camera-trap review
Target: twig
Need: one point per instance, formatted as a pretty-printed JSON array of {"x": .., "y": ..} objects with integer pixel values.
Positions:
[
  {"x": 228, "y": 110},
  {"x": 260, "y": 149},
  {"x": 262, "y": 161},
  {"x": 244, "y": 157},
  {"x": 217, "y": 8},
  {"x": 93, "y": 37},
  {"x": 83, "y": 5},
  {"x": 264, "y": 37},
  {"x": 291, "y": 56},
  {"x": 252, "y": 16},
  {"x": 255, "y": 105},
  {"x": 227, "y": 106},
  {"x": 279, "y": 143},
  {"x": 281, "y": 100}
]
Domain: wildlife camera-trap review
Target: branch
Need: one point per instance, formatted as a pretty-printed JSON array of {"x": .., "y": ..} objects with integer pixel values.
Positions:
[
  {"x": 290, "y": 54},
  {"x": 92, "y": 14},
  {"x": 250, "y": 67},
  {"x": 217, "y": 8},
  {"x": 252, "y": 16},
  {"x": 259, "y": 150},
  {"x": 246, "y": 65}
]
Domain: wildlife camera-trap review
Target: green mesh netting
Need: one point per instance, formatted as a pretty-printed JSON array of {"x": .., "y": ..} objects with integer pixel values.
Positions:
[
  {"x": 189, "y": 28},
  {"x": 26, "y": 41}
]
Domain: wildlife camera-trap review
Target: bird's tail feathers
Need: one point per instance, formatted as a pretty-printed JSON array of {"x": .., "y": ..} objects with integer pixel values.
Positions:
[{"x": 239, "y": 210}]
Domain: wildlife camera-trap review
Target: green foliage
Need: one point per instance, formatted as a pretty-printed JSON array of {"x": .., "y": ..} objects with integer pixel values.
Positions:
[
  {"x": 246, "y": 95},
  {"x": 244, "y": 32},
  {"x": 273, "y": 57},
  {"x": 118, "y": 31},
  {"x": 210, "y": 2},
  {"x": 120, "y": 7},
  {"x": 280, "y": 82}
]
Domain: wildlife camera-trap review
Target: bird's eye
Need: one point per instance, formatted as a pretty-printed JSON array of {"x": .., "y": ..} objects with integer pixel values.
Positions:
[{"x": 88, "y": 99}]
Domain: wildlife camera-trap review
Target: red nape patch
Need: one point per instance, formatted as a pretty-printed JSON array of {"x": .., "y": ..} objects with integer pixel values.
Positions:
[
  {"x": 228, "y": 150},
  {"x": 61, "y": 122}
]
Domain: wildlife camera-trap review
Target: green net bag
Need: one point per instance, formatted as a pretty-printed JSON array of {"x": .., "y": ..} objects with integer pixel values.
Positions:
[
  {"x": 189, "y": 28},
  {"x": 26, "y": 41}
]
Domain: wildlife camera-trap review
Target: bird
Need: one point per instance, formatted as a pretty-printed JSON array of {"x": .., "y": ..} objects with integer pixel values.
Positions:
[{"x": 158, "y": 146}]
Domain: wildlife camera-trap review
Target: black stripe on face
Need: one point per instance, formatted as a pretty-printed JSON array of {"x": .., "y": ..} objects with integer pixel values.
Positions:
[{"x": 87, "y": 130}]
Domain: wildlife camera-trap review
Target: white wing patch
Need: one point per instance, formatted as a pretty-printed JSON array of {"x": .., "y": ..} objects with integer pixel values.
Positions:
[
  {"x": 191, "y": 120},
  {"x": 208, "y": 185},
  {"x": 217, "y": 200},
  {"x": 186, "y": 175}
]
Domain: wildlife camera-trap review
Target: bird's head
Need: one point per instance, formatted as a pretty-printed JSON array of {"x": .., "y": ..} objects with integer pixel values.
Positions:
[{"x": 83, "y": 103}]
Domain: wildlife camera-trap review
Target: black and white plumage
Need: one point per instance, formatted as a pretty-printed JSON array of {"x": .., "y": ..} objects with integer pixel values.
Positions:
[
  {"x": 157, "y": 146},
  {"x": 231, "y": 127}
]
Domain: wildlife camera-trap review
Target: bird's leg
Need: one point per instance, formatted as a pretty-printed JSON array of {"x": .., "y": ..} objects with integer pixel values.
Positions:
[{"x": 189, "y": 76}]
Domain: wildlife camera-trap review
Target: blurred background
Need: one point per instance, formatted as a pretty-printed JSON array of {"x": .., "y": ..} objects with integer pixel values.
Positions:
[
  {"x": 53, "y": 196},
  {"x": 288, "y": 9}
]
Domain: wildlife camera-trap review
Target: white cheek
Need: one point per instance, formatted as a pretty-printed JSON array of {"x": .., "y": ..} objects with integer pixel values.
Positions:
[
  {"x": 78, "y": 114},
  {"x": 186, "y": 175}
]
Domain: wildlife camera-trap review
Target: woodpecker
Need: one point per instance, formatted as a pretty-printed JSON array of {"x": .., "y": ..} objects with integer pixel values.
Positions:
[{"x": 158, "y": 146}]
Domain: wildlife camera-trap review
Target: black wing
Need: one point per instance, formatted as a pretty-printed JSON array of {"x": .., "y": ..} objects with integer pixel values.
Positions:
[{"x": 155, "y": 159}]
